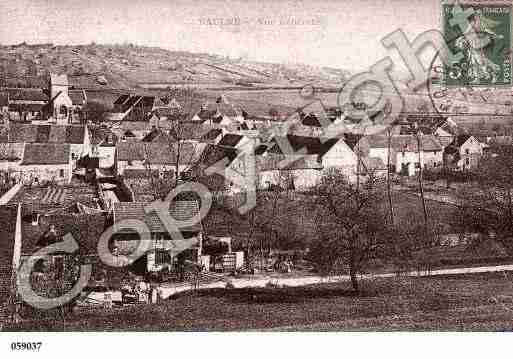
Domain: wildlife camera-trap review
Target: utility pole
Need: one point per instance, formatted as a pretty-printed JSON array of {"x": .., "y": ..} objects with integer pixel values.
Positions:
[
  {"x": 421, "y": 188},
  {"x": 389, "y": 190}
]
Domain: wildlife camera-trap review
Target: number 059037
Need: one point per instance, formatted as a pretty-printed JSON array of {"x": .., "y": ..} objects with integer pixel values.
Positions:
[{"x": 26, "y": 346}]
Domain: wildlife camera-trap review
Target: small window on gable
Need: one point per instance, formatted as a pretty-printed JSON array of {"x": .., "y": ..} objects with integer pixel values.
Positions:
[{"x": 61, "y": 173}]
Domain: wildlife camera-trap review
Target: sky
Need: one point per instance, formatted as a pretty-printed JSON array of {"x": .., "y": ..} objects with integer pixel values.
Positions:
[{"x": 338, "y": 33}]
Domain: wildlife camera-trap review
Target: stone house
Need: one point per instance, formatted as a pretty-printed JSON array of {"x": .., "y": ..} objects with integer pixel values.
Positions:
[
  {"x": 156, "y": 156},
  {"x": 26, "y": 104},
  {"x": 50, "y": 162},
  {"x": 463, "y": 153},
  {"x": 76, "y": 136},
  {"x": 404, "y": 151},
  {"x": 301, "y": 173},
  {"x": 163, "y": 248},
  {"x": 332, "y": 152}
]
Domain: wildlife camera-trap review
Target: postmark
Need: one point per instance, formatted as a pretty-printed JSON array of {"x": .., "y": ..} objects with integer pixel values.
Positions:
[
  {"x": 465, "y": 98},
  {"x": 481, "y": 32}
]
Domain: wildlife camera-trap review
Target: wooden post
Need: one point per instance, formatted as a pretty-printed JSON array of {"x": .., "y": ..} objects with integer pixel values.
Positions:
[
  {"x": 421, "y": 187},
  {"x": 389, "y": 190}
]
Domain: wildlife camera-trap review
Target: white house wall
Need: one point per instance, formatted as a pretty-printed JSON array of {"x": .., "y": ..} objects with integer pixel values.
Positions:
[
  {"x": 341, "y": 157},
  {"x": 46, "y": 172}
]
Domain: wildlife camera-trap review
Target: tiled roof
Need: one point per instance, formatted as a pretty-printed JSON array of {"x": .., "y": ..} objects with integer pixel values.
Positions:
[
  {"x": 20, "y": 132},
  {"x": 101, "y": 135},
  {"x": 121, "y": 99},
  {"x": 25, "y": 94},
  {"x": 78, "y": 97},
  {"x": 205, "y": 114},
  {"x": 312, "y": 145},
  {"x": 157, "y": 153},
  {"x": 132, "y": 100},
  {"x": 352, "y": 139},
  {"x": 230, "y": 140},
  {"x": 136, "y": 125},
  {"x": 406, "y": 143},
  {"x": 44, "y": 199},
  {"x": 86, "y": 229},
  {"x": 211, "y": 155},
  {"x": 182, "y": 132},
  {"x": 212, "y": 134},
  {"x": 273, "y": 162},
  {"x": 167, "y": 112},
  {"x": 190, "y": 130},
  {"x": 46, "y": 154},
  {"x": 314, "y": 121},
  {"x": 461, "y": 139},
  {"x": 31, "y": 107},
  {"x": 157, "y": 136},
  {"x": 179, "y": 210},
  {"x": 7, "y": 228},
  {"x": 130, "y": 173}
]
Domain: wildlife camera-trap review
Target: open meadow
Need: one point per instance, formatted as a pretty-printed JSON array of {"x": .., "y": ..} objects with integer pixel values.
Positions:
[{"x": 481, "y": 302}]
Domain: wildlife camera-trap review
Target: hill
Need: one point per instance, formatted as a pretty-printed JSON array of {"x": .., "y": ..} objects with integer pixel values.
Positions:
[{"x": 130, "y": 66}]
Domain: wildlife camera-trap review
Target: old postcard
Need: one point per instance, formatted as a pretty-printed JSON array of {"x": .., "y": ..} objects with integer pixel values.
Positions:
[{"x": 278, "y": 166}]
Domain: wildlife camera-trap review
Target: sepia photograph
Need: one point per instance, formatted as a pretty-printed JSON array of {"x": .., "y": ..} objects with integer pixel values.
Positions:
[{"x": 282, "y": 167}]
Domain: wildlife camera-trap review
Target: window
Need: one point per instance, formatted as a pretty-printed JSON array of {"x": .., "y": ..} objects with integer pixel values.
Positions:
[
  {"x": 417, "y": 164},
  {"x": 467, "y": 161},
  {"x": 61, "y": 173},
  {"x": 467, "y": 151},
  {"x": 162, "y": 257}
]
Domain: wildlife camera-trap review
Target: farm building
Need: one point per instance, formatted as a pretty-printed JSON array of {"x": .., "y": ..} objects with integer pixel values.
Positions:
[
  {"x": 463, "y": 153},
  {"x": 50, "y": 162},
  {"x": 75, "y": 135},
  {"x": 144, "y": 155},
  {"x": 164, "y": 248},
  {"x": 24, "y": 104},
  {"x": 404, "y": 151},
  {"x": 287, "y": 172},
  {"x": 332, "y": 152}
]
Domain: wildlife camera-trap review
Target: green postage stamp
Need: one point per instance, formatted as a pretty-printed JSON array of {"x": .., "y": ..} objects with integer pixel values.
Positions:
[{"x": 481, "y": 32}]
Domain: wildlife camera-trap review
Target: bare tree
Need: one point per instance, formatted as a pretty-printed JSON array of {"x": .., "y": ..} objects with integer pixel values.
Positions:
[
  {"x": 421, "y": 186},
  {"x": 351, "y": 224},
  {"x": 487, "y": 206},
  {"x": 177, "y": 138}
]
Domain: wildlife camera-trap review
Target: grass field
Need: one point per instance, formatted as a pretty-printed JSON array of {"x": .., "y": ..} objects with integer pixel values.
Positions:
[{"x": 470, "y": 302}]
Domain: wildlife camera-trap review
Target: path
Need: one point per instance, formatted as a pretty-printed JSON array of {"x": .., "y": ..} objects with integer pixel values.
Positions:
[{"x": 168, "y": 289}]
